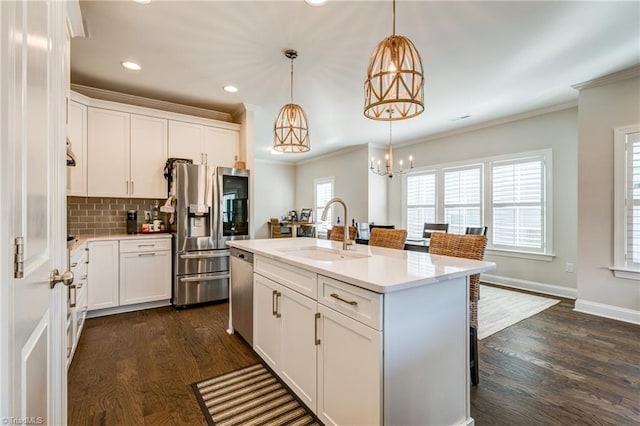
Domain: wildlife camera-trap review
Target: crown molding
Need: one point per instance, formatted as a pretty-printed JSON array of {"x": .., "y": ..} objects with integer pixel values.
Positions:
[
  {"x": 609, "y": 78},
  {"x": 124, "y": 98},
  {"x": 333, "y": 154},
  {"x": 273, "y": 162}
]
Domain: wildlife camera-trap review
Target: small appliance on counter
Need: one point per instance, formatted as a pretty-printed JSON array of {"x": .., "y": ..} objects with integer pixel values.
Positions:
[{"x": 132, "y": 222}]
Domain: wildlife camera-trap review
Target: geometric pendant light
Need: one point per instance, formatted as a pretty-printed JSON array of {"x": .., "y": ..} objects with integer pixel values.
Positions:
[
  {"x": 395, "y": 79},
  {"x": 290, "y": 130}
]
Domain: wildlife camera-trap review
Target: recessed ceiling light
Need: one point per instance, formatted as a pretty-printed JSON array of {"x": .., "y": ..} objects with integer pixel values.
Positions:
[
  {"x": 230, "y": 89},
  {"x": 143, "y": 1},
  {"x": 131, "y": 65},
  {"x": 315, "y": 2}
]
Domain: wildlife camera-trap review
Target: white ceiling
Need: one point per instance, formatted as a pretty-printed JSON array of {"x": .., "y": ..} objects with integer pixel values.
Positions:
[{"x": 484, "y": 59}]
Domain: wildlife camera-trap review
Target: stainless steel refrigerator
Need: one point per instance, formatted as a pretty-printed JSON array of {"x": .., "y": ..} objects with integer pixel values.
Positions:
[{"x": 211, "y": 207}]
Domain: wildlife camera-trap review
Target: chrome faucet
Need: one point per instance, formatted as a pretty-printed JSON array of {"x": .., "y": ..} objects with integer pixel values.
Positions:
[{"x": 346, "y": 242}]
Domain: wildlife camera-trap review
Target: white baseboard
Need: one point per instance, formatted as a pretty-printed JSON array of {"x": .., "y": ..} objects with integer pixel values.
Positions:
[
  {"x": 127, "y": 308},
  {"x": 607, "y": 311},
  {"x": 544, "y": 288}
]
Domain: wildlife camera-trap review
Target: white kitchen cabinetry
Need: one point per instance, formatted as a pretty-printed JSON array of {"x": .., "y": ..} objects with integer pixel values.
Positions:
[
  {"x": 77, "y": 134},
  {"x": 185, "y": 141},
  {"x": 148, "y": 154},
  {"x": 284, "y": 335},
  {"x": 77, "y": 300},
  {"x": 331, "y": 361},
  {"x": 102, "y": 258},
  {"x": 145, "y": 270},
  {"x": 108, "y": 153},
  {"x": 221, "y": 146},
  {"x": 126, "y": 154},
  {"x": 203, "y": 144}
]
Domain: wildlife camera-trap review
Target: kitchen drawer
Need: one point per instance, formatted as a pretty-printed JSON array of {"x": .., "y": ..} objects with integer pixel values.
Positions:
[
  {"x": 304, "y": 282},
  {"x": 145, "y": 244},
  {"x": 362, "y": 305},
  {"x": 78, "y": 257}
]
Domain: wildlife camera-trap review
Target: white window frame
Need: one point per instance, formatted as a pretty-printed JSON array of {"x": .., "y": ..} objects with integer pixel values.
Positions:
[
  {"x": 319, "y": 224},
  {"x": 621, "y": 268},
  {"x": 546, "y": 254}
]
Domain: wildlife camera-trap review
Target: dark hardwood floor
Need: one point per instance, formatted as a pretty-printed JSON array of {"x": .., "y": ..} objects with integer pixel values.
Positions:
[{"x": 558, "y": 367}]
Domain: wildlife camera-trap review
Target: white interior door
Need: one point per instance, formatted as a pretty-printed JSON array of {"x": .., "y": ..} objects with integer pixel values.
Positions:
[{"x": 32, "y": 193}]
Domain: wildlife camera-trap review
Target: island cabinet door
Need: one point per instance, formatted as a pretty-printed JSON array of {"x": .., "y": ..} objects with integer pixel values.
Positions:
[
  {"x": 266, "y": 320},
  {"x": 349, "y": 371},
  {"x": 298, "y": 354}
]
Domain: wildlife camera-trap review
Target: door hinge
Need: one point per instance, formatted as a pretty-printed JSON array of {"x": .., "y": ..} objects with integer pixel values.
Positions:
[{"x": 18, "y": 262}]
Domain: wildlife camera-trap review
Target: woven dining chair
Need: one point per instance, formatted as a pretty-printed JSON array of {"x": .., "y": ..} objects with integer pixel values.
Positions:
[
  {"x": 390, "y": 238},
  {"x": 337, "y": 233},
  {"x": 468, "y": 247}
]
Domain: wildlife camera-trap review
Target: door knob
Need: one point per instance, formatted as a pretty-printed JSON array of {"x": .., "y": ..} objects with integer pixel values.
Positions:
[{"x": 65, "y": 278}]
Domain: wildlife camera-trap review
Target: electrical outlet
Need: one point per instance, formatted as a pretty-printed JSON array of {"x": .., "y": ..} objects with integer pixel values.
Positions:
[
  {"x": 147, "y": 216},
  {"x": 568, "y": 267}
]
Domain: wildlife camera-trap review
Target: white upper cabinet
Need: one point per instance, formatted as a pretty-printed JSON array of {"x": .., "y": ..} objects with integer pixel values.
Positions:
[
  {"x": 108, "y": 153},
  {"x": 220, "y": 146},
  {"x": 77, "y": 134},
  {"x": 185, "y": 141},
  {"x": 148, "y": 154},
  {"x": 126, "y": 154},
  {"x": 212, "y": 146}
]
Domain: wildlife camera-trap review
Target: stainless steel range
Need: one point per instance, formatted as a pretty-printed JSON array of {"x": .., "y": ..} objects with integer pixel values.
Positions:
[{"x": 211, "y": 207}]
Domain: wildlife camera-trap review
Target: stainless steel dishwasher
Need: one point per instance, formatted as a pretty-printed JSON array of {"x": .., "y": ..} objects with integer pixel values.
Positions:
[{"x": 241, "y": 264}]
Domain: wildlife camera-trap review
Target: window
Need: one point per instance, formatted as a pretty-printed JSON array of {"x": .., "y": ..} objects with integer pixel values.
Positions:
[
  {"x": 518, "y": 204},
  {"x": 627, "y": 202},
  {"x": 323, "y": 190},
  {"x": 463, "y": 198},
  {"x": 509, "y": 194},
  {"x": 421, "y": 202}
]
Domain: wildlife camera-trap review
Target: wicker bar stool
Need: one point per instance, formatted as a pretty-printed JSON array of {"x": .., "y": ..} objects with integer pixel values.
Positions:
[
  {"x": 337, "y": 233},
  {"x": 469, "y": 247},
  {"x": 390, "y": 238}
]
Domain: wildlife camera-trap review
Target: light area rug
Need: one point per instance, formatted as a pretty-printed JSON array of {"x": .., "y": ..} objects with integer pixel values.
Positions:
[
  {"x": 499, "y": 308},
  {"x": 250, "y": 396}
]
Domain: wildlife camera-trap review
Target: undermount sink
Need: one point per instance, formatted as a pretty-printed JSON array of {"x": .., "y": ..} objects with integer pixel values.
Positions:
[{"x": 322, "y": 254}]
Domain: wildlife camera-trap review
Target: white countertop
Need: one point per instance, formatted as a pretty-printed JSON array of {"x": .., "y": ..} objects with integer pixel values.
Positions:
[
  {"x": 80, "y": 240},
  {"x": 382, "y": 271}
]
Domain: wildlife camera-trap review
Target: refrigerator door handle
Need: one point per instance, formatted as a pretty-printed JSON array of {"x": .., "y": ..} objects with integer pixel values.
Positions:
[{"x": 221, "y": 253}]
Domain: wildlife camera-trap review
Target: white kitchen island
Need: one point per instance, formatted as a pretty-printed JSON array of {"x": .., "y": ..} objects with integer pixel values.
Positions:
[{"x": 366, "y": 336}]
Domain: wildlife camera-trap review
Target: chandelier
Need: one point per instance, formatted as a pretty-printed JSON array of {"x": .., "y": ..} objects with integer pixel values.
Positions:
[
  {"x": 290, "y": 130},
  {"x": 394, "y": 79},
  {"x": 388, "y": 158}
]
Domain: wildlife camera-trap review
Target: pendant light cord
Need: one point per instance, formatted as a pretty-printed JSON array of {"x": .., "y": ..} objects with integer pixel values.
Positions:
[
  {"x": 394, "y": 17},
  {"x": 291, "y": 80}
]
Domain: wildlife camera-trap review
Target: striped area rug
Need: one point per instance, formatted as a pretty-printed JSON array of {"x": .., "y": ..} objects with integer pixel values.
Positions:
[{"x": 250, "y": 396}]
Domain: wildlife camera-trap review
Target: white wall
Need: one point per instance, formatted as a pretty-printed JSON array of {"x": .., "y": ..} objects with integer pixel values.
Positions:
[
  {"x": 602, "y": 108},
  {"x": 349, "y": 169},
  {"x": 555, "y": 130},
  {"x": 274, "y": 193},
  {"x": 378, "y": 194}
]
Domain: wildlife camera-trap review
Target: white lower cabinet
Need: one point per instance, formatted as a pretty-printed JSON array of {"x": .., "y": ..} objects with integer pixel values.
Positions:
[
  {"x": 102, "y": 271},
  {"x": 145, "y": 276},
  {"x": 332, "y": 362},
  {"x": 349, "y": 371}
]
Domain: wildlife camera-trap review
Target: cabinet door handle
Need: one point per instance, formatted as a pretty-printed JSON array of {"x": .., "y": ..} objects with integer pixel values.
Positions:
[
  {"x": 126, "y": 185},
  {"x": 74, "y": 264},
  {"x": 146, "y": 245},
  {"x": 350, "y": 302},
  {"x": 206, "y": 158},
  {"x": 315, "y": 327},
  {"x": 131, "y": 187},
  {"x": 273, "y": 302},
  {"x": 146, "y": 254}
]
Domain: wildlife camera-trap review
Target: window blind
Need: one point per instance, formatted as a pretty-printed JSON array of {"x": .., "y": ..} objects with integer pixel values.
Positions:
[
  {"x": 324, "y": 192},
  {"x": 463, "y": 198},
  {"x": 421, "y": 202},
  {"x": 518, "y": 195},
  {"x": 632, "y": 234}
]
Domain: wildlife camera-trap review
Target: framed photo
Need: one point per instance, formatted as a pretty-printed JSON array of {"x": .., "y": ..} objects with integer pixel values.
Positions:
[{"x": 305, "y": 215}]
